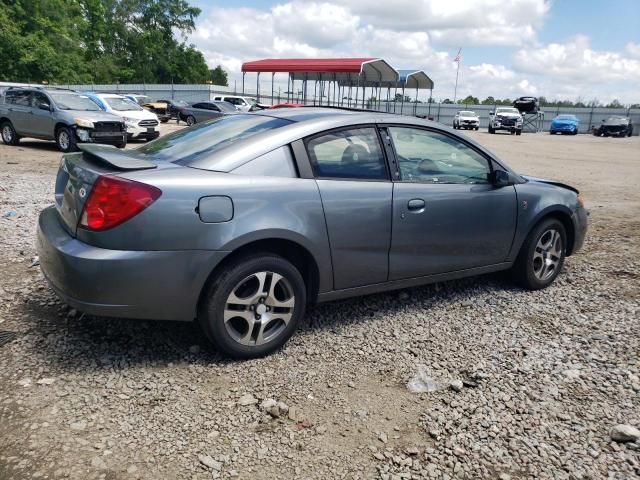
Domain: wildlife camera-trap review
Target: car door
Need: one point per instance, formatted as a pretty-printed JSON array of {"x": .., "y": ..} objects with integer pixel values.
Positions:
[
  {"x": 43, "y": 123},
  {"x": 19, "y": 107},
  {"x": 447, "y": 216},
  {"x": 198, "y": 110},
  {"x": 355, "y": 189}
]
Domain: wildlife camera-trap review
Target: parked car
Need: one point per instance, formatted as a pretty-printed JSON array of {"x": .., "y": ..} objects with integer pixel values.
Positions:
[
  {"x": 140, "y": 123},
  {"x": 527, "y": 104},
  {"x": 505, "y": 118},
  {"x": 173, "y": 107},
  {"x": 160, "y": 108},
  {"x": 564, "y": 124},
  {"x": 242, "y": 104},
  {"x": 243, "y": 221},
  {"x": 614, "y": 126},
  {"x": 57, "y": 114},
  {"x": 466, "y": 119},
  {"x": 201, "y": 111},
  {"x": 287, "y": 105}
]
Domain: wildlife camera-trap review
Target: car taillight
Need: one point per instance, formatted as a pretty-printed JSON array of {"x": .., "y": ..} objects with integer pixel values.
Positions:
[{"x": 115, "y": 200}]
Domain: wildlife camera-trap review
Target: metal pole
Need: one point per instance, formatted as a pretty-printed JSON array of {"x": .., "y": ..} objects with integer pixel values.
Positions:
[
  {"x": 364, "y": 93},
  {"x": 258, "y": 87},
  {"x": 243, "y": 74},
  {"x": 357, "y": 90},
  {"x": 273, "y": 74},
  {"x": 430, "y": 100},
  {"x": 402, "y": 103}
]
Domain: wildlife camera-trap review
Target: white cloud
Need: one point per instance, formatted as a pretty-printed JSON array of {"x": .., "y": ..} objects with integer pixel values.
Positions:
[{"x": 424, "y": 34}]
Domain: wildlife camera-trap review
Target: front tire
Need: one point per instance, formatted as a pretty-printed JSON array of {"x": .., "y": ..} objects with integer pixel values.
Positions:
[
  {"x": 253, "y": 306},
  {"x": 518, "y": 132},
  {"x": 191, "y": 120},
  {"x": 65, "y": 139},
  {"x": 491, "y": 130},
  {"x": 9, "y": 135},
  {"x": 541, "y": 256}
]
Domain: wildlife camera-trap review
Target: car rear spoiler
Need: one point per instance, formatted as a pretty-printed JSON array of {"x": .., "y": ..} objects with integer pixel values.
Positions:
[{"x": 116, "y": 157}]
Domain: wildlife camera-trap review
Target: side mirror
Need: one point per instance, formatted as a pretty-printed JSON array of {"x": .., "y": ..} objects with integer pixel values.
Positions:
[
  {"x": 491, "y": 112},
  {"x": 500, "y": 178},
  {"x": 44, "y": 106}
]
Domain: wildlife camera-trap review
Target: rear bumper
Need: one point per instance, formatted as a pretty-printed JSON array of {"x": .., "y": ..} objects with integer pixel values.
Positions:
[{"x": 161, "y": 285}]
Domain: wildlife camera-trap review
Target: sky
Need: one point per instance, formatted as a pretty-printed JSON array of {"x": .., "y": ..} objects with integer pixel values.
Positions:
[{"x": 560, "y": 49}]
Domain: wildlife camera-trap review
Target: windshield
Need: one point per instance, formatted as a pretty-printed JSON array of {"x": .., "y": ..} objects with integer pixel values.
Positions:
[
  {"x": 566, "y": 117},
  {"x": 468, "y": 114},
  {"x": 507, "y": 110},
  {"x": 73, "y": 101},
  {"x": 190, "y": 144},
  {"x": 122, "y": 104}
]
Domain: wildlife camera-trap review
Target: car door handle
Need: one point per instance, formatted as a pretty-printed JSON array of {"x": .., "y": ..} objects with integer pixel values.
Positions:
[{"x": 416, "y": 205}]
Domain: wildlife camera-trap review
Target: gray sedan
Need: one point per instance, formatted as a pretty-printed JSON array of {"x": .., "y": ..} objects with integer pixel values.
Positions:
[
  {"x": 242, "y": 221},
  {"x": 202, "y": 111}
]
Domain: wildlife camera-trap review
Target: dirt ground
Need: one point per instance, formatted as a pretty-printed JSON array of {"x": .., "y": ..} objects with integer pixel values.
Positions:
[{"x": 117, "y": 399}]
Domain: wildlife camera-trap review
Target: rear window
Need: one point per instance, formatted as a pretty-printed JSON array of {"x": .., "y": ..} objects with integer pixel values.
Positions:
[{"x": 195, "y": 143}]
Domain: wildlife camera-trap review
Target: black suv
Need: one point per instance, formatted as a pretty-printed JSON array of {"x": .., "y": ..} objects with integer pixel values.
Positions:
[{"x": 57, "y": 114}]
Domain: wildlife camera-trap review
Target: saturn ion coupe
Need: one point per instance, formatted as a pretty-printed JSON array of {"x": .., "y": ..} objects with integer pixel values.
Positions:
[{"x": 243, "y": 221}]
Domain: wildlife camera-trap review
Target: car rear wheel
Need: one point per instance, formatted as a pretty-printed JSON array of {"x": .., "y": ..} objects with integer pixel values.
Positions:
[
  {"x": 542, "y": 255},
  {"x": 65, "y": 140},
  {"x": 254, "y": 306},
  {"x": 491, "y": 130},
  {"x": 191, "y": 120},
  {"x": 9, "y": 135},
  {"x": 518, "y": 132}
]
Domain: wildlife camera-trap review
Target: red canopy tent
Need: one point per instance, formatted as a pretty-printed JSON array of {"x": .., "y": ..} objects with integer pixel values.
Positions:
[{"x": 339, "y": 72}]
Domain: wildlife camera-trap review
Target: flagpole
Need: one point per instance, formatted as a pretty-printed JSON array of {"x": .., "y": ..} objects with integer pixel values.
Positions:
[{"x": 455, "y": 90}]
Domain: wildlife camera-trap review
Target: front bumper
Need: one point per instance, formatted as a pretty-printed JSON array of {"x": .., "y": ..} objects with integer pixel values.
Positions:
[
  {"x": 85, "y": 135},
  {"x": 563, "y": 128},
  {"x": 509, "y": 126},
  {"x": 136, "y": 131},
  {"x": 160, "y": 285}
]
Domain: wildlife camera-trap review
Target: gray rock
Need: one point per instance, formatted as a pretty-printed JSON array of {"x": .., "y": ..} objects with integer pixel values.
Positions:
[
  {"x": 456, "y": 385},
  {"x": 247, "y": 399},
  {"x": 209, "y": 462},
  {"x": 625, "y": 433}
]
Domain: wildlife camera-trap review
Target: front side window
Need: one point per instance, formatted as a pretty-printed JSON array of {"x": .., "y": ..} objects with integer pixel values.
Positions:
[
  {"x": 40, "y": 98},
  {"x": 353, "y": 153},
  {"x": 430, "y": 157}
]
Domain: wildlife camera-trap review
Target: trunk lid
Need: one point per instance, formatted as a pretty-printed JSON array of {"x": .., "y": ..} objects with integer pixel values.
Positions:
[{"x": 79, "y": 171}]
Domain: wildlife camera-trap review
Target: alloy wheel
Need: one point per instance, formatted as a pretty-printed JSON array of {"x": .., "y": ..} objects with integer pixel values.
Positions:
[
  {"x": 259, "y": 308},
  {"x": 63, "y": 140},
  {"x": 7, "y": 134},
  {"x": 547, "y": 254}
]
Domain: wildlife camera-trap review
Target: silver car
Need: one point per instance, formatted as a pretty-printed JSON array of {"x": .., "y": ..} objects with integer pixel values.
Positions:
[
  {"x": 202, "y": 111},
  {"x": 65, "y": 116},
  {"x": 242, "y": 221}
]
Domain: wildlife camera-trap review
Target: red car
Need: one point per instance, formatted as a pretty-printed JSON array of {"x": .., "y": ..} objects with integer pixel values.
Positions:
[{"x": 287, "y": 105}]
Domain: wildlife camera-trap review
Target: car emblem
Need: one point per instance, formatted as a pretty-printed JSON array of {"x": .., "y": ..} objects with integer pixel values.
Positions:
[{"x": 82, "y": 192}]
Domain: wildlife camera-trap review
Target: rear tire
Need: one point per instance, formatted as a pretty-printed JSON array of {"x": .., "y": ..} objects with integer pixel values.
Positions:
[
  {"x": 491, "y": 130},
  {"x": 518, "y": 132},
  {"x": 9, "y": 135},
  {"x": 267, "y": 313},
  {"x": 541, "y": 256},
  {"x": 164, "y": 120},
  {"x": 191, "y": 120},
  {"x": 65, "y": 139}
]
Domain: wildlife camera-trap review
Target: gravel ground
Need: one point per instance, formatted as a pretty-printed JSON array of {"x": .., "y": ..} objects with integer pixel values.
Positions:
[{"x": 526, "y": 384}]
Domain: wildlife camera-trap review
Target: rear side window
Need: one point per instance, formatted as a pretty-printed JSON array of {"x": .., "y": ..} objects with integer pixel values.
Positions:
[
  {"x": 195, "y": 143},
  {"x": 276, "y": 163},
  {"x": 353, "y": 153},
  {"x": 18, "y": 97}
]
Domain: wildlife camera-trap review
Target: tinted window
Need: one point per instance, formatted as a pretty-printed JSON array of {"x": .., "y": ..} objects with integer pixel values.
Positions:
[
  {"x": 198, "y": 105},
  {"x": 18, "y": 97},
  {"x": 39, "y": 98},
  {"x": 430, "y": 157},
  {"x": 351, "y": 153},
  {"x": 191, "y": 144},
  {"x": 277, "y": 163}
]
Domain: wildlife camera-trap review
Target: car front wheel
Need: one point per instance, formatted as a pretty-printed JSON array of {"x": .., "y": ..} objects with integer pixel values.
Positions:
[
  {"x": 65, "y": 140},
  {"x": 542, "y": 255},
  {"x": 253, "y": 306},
  {"x": 191, "y": 120},
  {"x": 9, "y": 135}
]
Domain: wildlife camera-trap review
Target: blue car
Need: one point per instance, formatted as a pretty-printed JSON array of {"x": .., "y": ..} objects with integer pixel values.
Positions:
[{"x": 564, "y": 124}]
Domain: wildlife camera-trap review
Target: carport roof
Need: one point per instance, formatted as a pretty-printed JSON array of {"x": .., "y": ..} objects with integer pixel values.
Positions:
[
  {"x": 415, "y": 79},
  {"x": 366, "y": 69}
]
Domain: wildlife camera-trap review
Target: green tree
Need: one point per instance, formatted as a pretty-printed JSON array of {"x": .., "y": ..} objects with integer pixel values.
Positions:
[
  {"x": 218, "y": 76},
  {"x": 488, "y": 101},
  {"x": 469, "y": 100}
]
